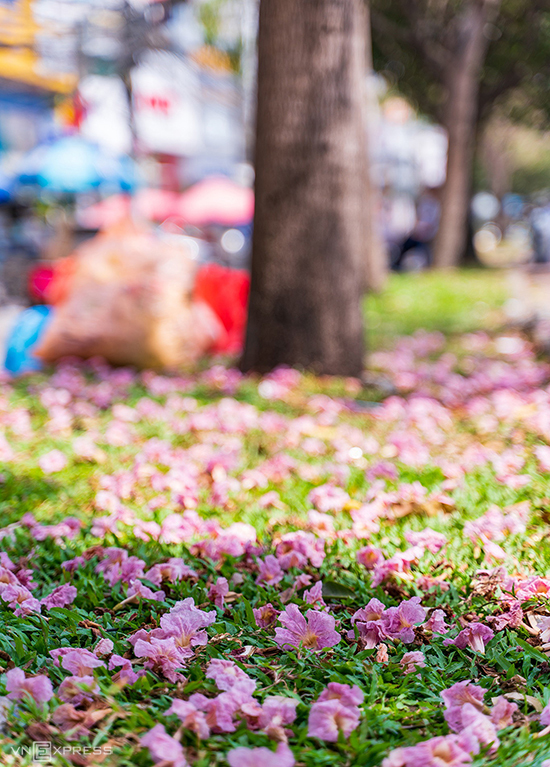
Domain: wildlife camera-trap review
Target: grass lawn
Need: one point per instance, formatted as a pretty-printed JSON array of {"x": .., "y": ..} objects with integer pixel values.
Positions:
[
  {"x": 218, "y": 570},
  {"x": 456, "y": 302}
]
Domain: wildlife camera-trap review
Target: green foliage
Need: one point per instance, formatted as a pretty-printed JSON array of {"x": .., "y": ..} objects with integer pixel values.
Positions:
[{"x": 410, "y": 37}]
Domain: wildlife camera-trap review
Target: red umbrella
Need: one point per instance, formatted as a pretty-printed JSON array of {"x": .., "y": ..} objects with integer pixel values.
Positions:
[
  {"x": 152, "y": 204},
  {"x": 156, "y": 204},
  {"x": 106, "y": 212},
  {"x": 217, "y": 200}
]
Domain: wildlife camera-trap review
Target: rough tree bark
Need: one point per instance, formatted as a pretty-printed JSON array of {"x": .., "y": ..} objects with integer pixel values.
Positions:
[
  {"x": 309, "y": 227},
  {"x": 377, "y": 260},
  {"x": 460, "y": 120}
]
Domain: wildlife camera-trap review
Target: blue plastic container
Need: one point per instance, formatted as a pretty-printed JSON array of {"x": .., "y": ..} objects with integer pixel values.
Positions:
[{"x": 28, "y": 329}]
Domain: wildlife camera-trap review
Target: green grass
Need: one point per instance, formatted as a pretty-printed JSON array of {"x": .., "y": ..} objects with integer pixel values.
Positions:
[{"x": 453, "y": 302}]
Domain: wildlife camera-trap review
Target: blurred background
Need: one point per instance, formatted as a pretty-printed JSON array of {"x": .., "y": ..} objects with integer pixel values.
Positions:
[{"x": 135, "y": 120}]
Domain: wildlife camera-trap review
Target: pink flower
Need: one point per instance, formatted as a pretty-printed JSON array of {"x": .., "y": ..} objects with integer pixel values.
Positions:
[
  {"x": 512, "y": 617},
  {"x": 261, "y": 757},
  {"x": 436, "y": 623},
  {"x": 412, "y": 661},
  {"x": 295, "y": 549},
  {"x": 73, "y": 564},
  {"x": 457, "y": 696},
  {"x": 60, "y": 597},
  {"x": 328, "y": 717},
  {"x": 6, "y": 451},
  {"x": 443, "y": 751},
  {"x": 376, "y": 623},
  {"x": 265, "y": 615},
  {"x": 25, "y": 578},
  {"x": 225, "y": 674},
  {"x": 19, "y": 599},
  {"x": 369, "y": 623},
  {"x": 314, "y": 596},
  {"x": 335, "y": 710},
  {"x": 369, "y": 557},
  {"x": 52, "y": 462},
  {"x": 218, "y": 591},
  {"x": 476, "y": 730},
  {"x": 6, "y": 562},
  {"x": 314, "y": 632},
  {"x": 400, "y": 563},
  {"x": 67, "y": 528},
  {"x": 545, "y": 716},
  {"x": 221, "y": 709},
  {"x": 163, "y": 656},
  {"x": 118, "y": 566},
  {"x": 192, "y": 718},
  {"x": 503, "y": 711},
  {"x": 533, "y": 587},
  {"x": 475, "y": 635},
  {"x": 427, "y": 539},
  {"x": 328, "y": 498},
  {"x": 321, "y": 524},
  {"x": 137, "y": 588},
  {"x": 163, "y": 748},
  {"x": 271, "y": 500},
  {"x": 543, "y": 456},
  {"x": 270, "y": 572},
  {"x": 146, "y": 530},
  {"x": 366, "y": 520},
  {"x": 347, "y": 695},
  {"x": 126, "y": 675},
  {"x": 39, "y": 688},
  {"x": 276, "y": 712},
  {"x": 77, "y": 724},
  {"x": 78, "y": 689},
  {"x": 79, "y": 662},
  {"x": 373, "y": 611},
  {"x": 383, "y": 469},
  {"x": 399, "y": 621},
  {"x": 173, "y": 571},
  {"x": 382, "y": 654},
  {"x": 185, "y": 623}
]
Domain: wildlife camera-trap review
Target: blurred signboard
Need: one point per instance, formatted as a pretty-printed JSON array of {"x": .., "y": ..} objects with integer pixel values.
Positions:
[
  {"x": 105, "y": 113},
  {"x": 183, "y": 109}
]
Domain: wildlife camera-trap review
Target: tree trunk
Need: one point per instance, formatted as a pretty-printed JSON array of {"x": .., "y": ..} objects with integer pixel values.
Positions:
[
  {"x": 309, "y": 227},
  {"x": 377, "y": 256},
  {"x": 460, "y": 122}
]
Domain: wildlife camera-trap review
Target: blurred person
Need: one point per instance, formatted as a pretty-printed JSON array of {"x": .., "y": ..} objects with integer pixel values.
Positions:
[
  {"x": 4, "y": 235},
  {"x": 539, "y": 220},
  {"x": 396, "y": 216},
  {"x": 428, "y": 211},
  {"x": 22, "y": 233}
]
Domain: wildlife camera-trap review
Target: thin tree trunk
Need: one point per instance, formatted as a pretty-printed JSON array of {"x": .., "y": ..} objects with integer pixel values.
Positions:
[
  {"x": 375, "y": 250},
  {"x": 460, "y": 122},
  {"x": 309, "y": 228}
]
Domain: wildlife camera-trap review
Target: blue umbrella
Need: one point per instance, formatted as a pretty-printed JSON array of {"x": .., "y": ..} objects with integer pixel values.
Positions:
[
  {"x": 70, "y": 165},
  {"x": 5, "y": 188}
]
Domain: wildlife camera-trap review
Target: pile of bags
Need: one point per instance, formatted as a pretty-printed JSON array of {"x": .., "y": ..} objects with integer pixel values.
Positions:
[{"x": 135, "y": 297}]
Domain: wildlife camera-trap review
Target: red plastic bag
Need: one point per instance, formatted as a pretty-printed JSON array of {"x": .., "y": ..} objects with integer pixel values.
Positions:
[
  {"x": 226, "y": 291},
  {"x": 39, "y": 280}
]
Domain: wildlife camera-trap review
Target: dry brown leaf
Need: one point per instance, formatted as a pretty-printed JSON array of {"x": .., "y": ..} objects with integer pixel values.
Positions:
[{"x": 534, "y": 702}]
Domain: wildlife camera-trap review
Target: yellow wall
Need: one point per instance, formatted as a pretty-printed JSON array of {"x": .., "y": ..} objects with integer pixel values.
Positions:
[{"x": 18, "y": 60}]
